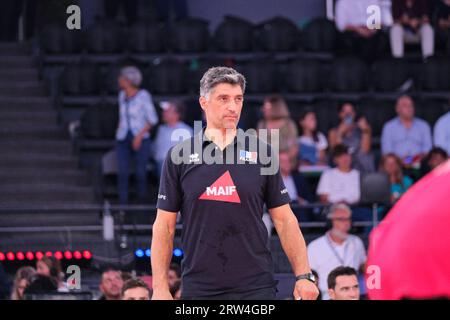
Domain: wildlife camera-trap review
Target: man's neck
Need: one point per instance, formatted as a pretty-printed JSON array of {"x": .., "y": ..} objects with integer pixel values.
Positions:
[
  {"x": 345, "y": 170},
  {"x": 406, "y": 122},
  {"x": 335, "y": 239},
  {"x": 131, "y": 91},
  {"x": 220, "y": 136}
]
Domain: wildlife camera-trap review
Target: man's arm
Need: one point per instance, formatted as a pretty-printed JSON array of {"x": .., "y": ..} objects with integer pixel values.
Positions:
[
  {"x": 294, "y": 246},
  {"x": 162, "y": 246}
]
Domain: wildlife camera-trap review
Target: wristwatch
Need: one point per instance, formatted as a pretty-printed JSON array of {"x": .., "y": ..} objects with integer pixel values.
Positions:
[{"x": 306, "y": 276}]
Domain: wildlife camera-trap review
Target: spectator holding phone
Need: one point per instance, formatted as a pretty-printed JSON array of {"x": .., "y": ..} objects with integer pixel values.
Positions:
[
  {"x": 406, "y": 136},
  {"x": 355, "y": 133}
]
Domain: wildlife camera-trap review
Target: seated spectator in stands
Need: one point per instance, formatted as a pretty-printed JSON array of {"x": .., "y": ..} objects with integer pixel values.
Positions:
[
  {"x": 174, "y": 274},
  {"x": 40, "y": 284},
  {"x": 442, "y": 132},
  {"x": 351, "y": 20},
  {"x": 111, "y": 285},
  {"x": 294, "y": 181},
  {"x": 277, "y": 116},
  {"x": 336, "y": 247},
  {"x": 340, "y": 184},
  {"x": 137, "y": 116},
  {"x": 406, "y": 136},
  {"x": 51, "y": 267},
  {"x": 411, "y": 25},
  {"x": 312, "y": 144},
  {"x": 172, "y": 117},
  {"x": 436, "y": 157},
  {"x": 21, "y": 282},
  {"x": 296, "y": 185},
  {"x": 392, "y": 165},
  {"x": 343, "y": 284},
  {"x": 175, "y": 290},
  {"x": 356, "y": 133},
  {"x": 442, "y": 24},
  {"x": 135, "y": 289}
]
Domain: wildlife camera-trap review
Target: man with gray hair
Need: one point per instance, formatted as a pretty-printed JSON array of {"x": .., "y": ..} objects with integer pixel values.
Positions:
[
  {"x": 337, "y": 247},
  {"x": 225, "y": 242}
]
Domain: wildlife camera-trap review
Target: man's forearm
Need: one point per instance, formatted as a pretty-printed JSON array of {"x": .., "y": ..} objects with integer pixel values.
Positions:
[
  {"x": 162, "y": 246},
  {"x": 293, "y": 244}
]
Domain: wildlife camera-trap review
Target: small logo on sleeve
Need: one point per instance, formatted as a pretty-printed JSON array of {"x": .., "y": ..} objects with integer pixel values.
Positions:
[
  {"x": 161, "y": 196},
  {"x": 284, "y": 191}
]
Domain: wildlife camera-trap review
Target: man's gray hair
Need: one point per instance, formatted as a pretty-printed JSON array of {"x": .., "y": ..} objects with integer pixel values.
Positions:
[
  {"x": 217, "y": 75},
  {"x": 133, "y": 74},
  {"x": 337, "y": 207}
]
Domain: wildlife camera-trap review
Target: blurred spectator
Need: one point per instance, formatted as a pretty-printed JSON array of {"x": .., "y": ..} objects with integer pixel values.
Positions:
[
  {"x": 137, "y": 116},
  {"x": 126, "y": 276},
  {"x": 21, "y": 282},
  {"x": 175, "y": 290},
  {"x": 442, "y": 23},
  {"x": 41, "y": 284},
  {"x": 337, "y": 247},
  {"x": 294, "y": 181},
  {"x": 111, "y": 285},
  {"x": 340, "y": 184},
  {"x": 135, "y": 289},
  {"x": 436, "y": 157},
  {"x": 356, "y": 134},
  {"x": 411, "y": 25},
  {"x": 276, "y": 116},
  {"x": 172, "y": 117},
  {"x": 351, "y": 20},
  {"x": 51, "y": 267},
  {"x": 392, "y": 165},
  {"x": 174, "y": 274},
  {"x": 312, "y": 144},
  {"x": 442, "y": 132},
  {"x": 406, "y": 136},
  {"x": 343, "y": 284}
]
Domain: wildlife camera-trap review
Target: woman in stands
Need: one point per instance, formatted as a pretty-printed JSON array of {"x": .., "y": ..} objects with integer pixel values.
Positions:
[
  {"x": 276, "y": 116},
  {"x": 21, "y": 282},
  {"x": 392, "y": 165},
  {"x": 137, "y": 116},
  {"x": 312, "y": 144},
  {"x": 356, "y": 134},
  {"x": 51, "y": 267}
]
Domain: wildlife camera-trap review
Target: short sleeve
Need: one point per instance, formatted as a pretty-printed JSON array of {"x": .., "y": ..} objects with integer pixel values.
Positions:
[
  {"x": 276, "y": 193},
  {"x": 150, "y": 112},
  {"x": 169, "y": 195},
  {"x": 324, "y": 184},
  {"x": 322, "y": 144}
]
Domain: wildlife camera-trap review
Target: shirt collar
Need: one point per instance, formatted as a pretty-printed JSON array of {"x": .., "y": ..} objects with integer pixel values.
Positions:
[{"x": 205, "y": 141}]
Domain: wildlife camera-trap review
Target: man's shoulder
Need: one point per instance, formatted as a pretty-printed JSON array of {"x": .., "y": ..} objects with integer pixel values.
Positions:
[
  {"x": 422, "y": 123},
  {"x": 444, "y": 120},
  {"x": 317, "y": 244},
  {"x": 390, "y": 124},
  {"x": 355, "y": 239}
]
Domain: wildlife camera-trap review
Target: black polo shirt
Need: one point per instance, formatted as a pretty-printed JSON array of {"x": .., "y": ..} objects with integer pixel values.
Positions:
[{"x": 224, "y": 238}]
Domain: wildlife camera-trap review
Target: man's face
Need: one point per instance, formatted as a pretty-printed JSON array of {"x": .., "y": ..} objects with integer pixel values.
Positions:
[
  {"x": 343, "y": 162},
  {"x": 285, "y": 163},
  {"x": 342, "y": 221},
  {"x": 347, "y": 110},
  {"x": 22, "y": 285},
  {"x": 347, "y": 288},
  {"x": 405, "y": 108},
  {"x": 111, "y": 284},
  {"x": 42, "y": 269},
  {"x": 223, "y": 106},
  {"x": 123, "y": 83},
  {"x": 172, "y": 277},
  {"x": 137, "y": 293},
  {"x": 170, "y": 115},
  {"x": 436, "y": 159}
]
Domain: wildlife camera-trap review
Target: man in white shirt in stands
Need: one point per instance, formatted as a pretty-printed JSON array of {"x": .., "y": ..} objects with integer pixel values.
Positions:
[
  {"x": 336, "y": 248},
  {"x": 340, "y": 184}
]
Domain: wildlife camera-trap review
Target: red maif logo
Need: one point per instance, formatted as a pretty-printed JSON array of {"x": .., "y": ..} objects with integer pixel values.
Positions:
[{"x": 223, "y": 189}]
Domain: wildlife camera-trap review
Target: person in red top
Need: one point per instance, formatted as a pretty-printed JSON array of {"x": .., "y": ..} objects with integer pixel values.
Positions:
[{"x": 409, "y": 251}]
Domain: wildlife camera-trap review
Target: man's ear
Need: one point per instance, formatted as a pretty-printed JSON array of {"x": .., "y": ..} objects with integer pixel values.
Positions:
[
  {"x": 331, "y": 294},
  {"x": 202, "y": 101}
]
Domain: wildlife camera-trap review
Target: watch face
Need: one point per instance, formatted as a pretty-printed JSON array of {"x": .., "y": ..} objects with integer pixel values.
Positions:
[{"x": 312, "y": 277}]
